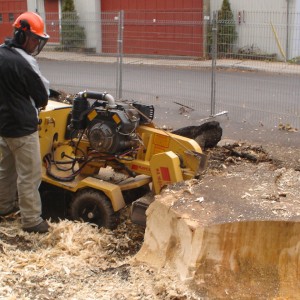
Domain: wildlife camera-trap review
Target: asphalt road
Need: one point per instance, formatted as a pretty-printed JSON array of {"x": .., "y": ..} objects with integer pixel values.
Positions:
[
  {"x": 167, "y": 82},
  {"x": 251, "y": 98}
]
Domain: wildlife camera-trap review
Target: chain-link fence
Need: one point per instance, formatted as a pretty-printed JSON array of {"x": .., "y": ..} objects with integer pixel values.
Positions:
[{"x": 246, "y": 66}]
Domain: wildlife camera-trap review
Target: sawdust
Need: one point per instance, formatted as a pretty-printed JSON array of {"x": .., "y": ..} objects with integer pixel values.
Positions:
[
  {"x": 243, "y": 182},
  {"x": 80, "y": 261}
]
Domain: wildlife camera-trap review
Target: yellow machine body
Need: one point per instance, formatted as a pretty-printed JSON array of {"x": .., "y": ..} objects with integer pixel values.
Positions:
[{"x": 162, "y": 158}]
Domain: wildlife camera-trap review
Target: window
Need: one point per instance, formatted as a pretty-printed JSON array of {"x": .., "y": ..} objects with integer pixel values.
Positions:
[
  {"x": 11, "y": 17},
  {"x": 1, "y": 18}
]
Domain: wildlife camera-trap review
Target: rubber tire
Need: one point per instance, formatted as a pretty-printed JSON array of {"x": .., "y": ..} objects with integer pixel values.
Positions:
[{"x": 92, "y": 201}]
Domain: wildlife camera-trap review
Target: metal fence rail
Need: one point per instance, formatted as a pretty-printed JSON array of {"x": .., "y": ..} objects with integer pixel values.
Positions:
[
  {"x": 271, "y": 98},
  {"x": 167, "y": 57}
]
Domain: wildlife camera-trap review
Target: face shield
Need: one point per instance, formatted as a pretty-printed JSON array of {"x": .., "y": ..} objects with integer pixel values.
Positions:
[{"x": 35, "y": 43}]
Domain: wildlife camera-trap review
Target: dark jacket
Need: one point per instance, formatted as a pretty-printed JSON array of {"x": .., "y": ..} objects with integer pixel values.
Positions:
[{"x": 19, "y": 82}]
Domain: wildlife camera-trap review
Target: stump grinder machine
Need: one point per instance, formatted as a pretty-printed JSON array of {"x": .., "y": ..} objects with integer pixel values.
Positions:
[{"x": 103, "y": 156}]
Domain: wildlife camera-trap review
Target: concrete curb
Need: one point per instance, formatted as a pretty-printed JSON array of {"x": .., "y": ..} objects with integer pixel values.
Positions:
[{"x": 245, "y": 65}]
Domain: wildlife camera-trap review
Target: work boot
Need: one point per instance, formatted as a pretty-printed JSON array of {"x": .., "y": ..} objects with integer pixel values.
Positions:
[{"x": 43, "y": 227}]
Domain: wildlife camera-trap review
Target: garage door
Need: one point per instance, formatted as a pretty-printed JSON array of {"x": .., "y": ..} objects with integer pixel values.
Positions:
[{"x": 161, "y": 27}]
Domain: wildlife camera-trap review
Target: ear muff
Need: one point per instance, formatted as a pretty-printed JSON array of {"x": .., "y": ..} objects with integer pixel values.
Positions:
[{"x": 20, "y": 35}]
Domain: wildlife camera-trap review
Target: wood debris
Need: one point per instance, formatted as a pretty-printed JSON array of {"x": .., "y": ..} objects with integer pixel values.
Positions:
[{"x": 80, "y": 261}]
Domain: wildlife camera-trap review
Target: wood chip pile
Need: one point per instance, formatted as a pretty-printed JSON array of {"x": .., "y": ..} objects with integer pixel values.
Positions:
[{"x": 79, "y": 261}]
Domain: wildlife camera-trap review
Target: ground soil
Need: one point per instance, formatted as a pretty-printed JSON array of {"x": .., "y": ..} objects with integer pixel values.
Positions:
[{"x": 80, "y": 261}]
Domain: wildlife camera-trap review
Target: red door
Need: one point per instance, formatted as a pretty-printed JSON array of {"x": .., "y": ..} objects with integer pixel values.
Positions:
[
  {"x": 52, "y": 20},
  {"x": 161, "y": 27}
]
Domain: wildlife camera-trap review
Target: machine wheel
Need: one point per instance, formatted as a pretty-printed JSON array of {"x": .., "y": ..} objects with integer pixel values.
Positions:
[{"x": 94, "y": 207}]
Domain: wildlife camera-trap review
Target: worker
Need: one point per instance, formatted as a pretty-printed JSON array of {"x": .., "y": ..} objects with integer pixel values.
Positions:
[{"x": 23, "y": 90}]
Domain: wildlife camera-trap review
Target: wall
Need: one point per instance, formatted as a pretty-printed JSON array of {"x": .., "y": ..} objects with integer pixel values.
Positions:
[
  {"x": 90, "y": 18},
  {"x": 37, "y": 5},
  {"x": 7, "y": 8},
  {"x": 252, "y": 29},
  {"x": 254, "y": 5}
]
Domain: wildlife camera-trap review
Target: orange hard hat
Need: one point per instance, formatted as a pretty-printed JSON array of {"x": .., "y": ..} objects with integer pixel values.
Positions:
[{"x": 33, "y": 22}]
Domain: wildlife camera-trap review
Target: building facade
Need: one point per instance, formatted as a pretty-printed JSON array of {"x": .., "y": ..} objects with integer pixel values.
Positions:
[
  {"x": 144, "y": 22},
  {"x": 168, "y": 27},
  {"x": 277, "y": 19}
]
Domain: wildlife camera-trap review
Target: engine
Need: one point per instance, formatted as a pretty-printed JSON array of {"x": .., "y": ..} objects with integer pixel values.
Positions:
[{"x": 110, "y": 127}]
